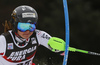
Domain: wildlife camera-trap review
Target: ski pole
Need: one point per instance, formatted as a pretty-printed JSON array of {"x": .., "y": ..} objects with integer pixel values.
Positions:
[{"x": 83, "y": 51}]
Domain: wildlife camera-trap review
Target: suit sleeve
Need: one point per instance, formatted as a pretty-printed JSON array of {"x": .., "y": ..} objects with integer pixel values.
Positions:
[
  {"x": 2, "y": 45},
  {"x": 43, "y": 38}
]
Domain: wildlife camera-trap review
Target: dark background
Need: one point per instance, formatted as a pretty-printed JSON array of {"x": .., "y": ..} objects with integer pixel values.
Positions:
[{"x": 84, "y": 19}]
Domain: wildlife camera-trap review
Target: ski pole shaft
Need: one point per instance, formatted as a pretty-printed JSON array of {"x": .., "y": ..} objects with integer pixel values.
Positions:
[{"x": 83, "y": 51}]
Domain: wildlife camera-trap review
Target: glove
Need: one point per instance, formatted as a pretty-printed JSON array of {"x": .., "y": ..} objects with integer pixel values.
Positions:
[{"x": 56, "y": 44}]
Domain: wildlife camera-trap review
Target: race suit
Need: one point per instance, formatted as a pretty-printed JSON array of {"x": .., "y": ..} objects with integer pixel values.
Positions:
[{"x": 12, "y": 52}]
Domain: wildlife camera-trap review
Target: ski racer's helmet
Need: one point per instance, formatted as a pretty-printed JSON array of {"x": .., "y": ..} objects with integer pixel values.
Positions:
[{"x": 24, "y": 14}]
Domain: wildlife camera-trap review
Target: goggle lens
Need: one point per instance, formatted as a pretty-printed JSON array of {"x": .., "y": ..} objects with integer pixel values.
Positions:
[{"x": 26, "y": 26}]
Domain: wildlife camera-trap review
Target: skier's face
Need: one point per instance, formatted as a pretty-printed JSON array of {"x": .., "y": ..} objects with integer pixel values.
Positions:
[{"x": 25, "y": 34}]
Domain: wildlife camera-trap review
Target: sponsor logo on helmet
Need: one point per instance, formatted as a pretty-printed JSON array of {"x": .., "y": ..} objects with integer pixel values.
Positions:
[
  {"x": 29, "y": 21},
  {"x": 23, "y": 8},
  {"x": 26, "y": 15}
]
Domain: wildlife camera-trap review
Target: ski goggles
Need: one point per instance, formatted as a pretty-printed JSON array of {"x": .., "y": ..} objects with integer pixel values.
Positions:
[{"x": 26, "y": 26}]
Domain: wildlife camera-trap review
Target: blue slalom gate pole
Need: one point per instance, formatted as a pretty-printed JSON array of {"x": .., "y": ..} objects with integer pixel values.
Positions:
[{"x": 66, "y": 31}]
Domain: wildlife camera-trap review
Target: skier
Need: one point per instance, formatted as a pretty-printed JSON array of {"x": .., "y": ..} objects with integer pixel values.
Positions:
[{"x": 18, "y": 46}]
